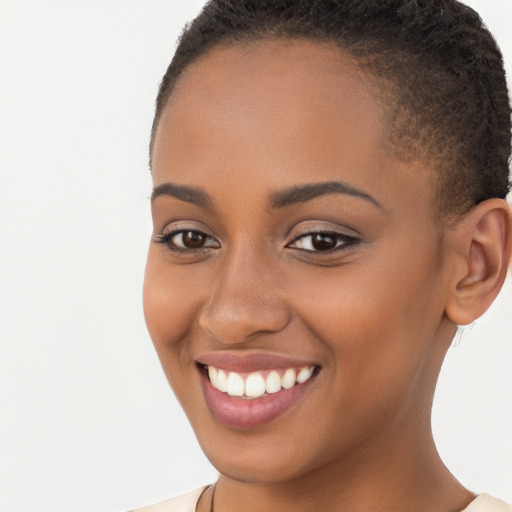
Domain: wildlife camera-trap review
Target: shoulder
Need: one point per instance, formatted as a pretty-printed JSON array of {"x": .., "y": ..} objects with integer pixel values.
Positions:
[
  {"x": 185, "y": 503},
  {"x": 486, "y": 503}
]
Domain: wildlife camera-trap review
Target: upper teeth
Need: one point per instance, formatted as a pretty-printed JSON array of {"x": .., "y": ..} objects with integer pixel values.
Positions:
[{"x": 254, "y": 385}]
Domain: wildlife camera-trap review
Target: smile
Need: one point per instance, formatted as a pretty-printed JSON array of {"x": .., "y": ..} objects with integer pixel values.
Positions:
[
  {"x": 244, "y": 393},
  {"x": 257, "y": 384}
]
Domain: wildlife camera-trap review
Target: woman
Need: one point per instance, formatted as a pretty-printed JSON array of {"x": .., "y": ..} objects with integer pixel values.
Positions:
[{"x": 328, "y": 206}]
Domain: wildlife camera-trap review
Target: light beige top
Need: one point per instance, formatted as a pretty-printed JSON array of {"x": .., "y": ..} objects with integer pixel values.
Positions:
[
  {"x": 188, "y": 502},
  {"x": 185, "y": 503},
  {"x": 486, "y": 503}
]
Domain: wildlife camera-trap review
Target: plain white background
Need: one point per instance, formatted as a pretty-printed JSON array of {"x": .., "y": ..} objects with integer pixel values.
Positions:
[{"x": 87, "y": 422}]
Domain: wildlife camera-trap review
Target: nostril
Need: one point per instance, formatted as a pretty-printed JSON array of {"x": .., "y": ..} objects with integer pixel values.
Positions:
[{"x": 239, "y": 325}]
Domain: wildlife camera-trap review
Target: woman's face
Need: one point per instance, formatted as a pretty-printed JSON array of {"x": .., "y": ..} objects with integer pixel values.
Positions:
[{"x": 287, "y": 241}]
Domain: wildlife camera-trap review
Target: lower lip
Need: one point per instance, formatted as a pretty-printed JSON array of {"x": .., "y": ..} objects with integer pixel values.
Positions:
[{"x": 243, "y": 413}]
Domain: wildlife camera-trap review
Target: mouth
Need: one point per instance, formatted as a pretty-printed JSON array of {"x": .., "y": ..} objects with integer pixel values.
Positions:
[{"x": 247, "y": 399}]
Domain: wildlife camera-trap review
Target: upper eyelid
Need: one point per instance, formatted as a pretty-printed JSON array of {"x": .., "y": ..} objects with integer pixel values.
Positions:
[
  {"x": 180, "y": 226},
  {"x": 309, "y": 231},
  {"x": 312, "y": 226}
]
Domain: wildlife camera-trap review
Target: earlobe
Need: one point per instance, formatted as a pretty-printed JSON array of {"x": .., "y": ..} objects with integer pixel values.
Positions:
[{"x": 484, "y": 254}]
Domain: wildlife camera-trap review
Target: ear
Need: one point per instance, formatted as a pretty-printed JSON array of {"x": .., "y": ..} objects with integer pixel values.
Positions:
[{"x": 484, "y": 251}]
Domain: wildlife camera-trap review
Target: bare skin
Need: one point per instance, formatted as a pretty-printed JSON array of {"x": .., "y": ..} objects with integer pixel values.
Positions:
[{"x": 375, "y": 313}]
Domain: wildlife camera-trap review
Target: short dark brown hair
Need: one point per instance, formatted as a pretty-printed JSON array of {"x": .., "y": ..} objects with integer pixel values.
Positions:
[{"x": 440, "y": 70}]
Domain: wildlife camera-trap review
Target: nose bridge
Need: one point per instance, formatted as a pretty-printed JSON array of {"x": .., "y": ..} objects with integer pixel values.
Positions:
[{"x": 245, "y": 299}]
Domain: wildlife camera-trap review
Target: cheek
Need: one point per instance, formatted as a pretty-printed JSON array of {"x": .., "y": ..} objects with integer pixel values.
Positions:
[
  {"x": 171, "y": 303},
  {"x": 377, "y": 320},
  {"x": 378, "y": 339},
  {"x": 169, "y": 307}
]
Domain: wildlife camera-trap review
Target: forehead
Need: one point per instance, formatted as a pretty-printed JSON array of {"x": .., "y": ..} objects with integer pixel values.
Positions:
[
  {"x": 280, "y": 85},
  {"x": 273, "y": 71},
  {"x": 279, "y": 112}
]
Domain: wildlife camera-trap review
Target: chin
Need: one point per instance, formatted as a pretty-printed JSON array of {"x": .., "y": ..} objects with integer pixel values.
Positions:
[
  {"x": 265, "y": 456},
  {"x": 256, "y": 470}
]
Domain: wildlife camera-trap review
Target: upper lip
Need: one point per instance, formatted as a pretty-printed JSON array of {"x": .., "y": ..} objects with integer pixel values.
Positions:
[{"x": 244, "y": 363}]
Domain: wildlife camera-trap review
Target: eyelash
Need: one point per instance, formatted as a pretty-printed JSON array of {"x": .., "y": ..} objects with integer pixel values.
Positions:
[
  {"x": 167, "y": 240},
  {"x": 343, "y": 241}
]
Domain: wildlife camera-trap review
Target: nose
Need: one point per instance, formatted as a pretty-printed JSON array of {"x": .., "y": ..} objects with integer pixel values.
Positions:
[{"x": 246, "y": 301}]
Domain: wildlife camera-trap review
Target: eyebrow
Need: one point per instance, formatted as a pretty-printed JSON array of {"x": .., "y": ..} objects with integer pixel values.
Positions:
[
  {"x": 290, "y": 196},
  {"x": 183, "y": 193},
  {"x": 303, "y": 193}
]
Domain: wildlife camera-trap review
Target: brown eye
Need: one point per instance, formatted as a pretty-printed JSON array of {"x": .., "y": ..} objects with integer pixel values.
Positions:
[
  {"x": 191, "y": 239},
  {"x": 323, "y": 242},
  {"x": 187, "y": 240}
]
